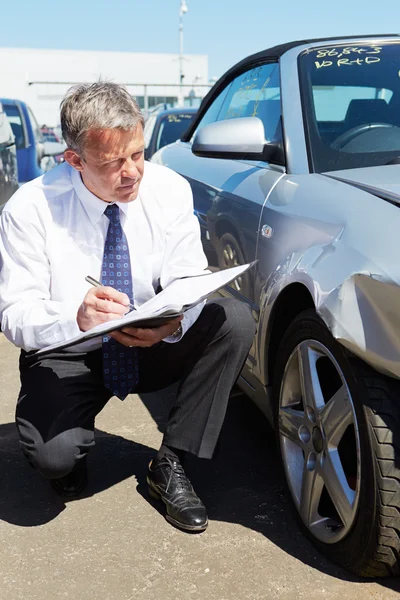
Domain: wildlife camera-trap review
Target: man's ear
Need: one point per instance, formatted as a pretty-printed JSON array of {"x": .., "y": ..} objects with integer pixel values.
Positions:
[{"x": 73, "y": 159}]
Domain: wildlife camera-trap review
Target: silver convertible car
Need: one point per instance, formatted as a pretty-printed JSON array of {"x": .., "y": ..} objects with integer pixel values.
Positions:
[{"x": 294, "y": 161}]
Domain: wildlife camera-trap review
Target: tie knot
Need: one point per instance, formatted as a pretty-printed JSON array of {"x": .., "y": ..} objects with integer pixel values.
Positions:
[{"x": 112, "y": 212}]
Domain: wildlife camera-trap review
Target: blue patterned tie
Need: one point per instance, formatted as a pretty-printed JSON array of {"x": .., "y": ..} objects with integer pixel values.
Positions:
[{"x": 120, "y": 365}]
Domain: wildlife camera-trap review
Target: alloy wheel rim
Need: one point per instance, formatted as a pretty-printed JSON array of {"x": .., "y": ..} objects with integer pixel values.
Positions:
[
  {"x": 231, "y": 260},
  {"x": 320, "y": 442}
]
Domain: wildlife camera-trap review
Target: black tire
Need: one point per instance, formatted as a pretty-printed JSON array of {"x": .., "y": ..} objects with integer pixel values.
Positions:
[
  {"x": 371, "y": 548},
  {"x": 229, "y": 246}
]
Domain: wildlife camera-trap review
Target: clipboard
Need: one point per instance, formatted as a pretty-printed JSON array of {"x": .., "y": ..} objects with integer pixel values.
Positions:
[{"x": 174, "y": 300}]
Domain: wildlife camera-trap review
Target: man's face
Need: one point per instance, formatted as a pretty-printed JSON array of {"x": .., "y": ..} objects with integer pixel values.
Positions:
[{"x": 112, "y": 163}]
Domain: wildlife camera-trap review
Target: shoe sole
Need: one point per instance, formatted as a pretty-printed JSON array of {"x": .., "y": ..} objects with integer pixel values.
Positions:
[
  {"x": 79, "y": 489},
  {"x": 156, "y": 496},
  {"x": 70, "y": 495}
]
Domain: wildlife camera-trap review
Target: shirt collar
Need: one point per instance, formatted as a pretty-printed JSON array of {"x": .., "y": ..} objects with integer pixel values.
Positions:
[{"x": 94, "y": 206}]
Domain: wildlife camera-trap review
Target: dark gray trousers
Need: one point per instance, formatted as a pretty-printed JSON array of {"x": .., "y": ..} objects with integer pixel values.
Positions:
[{"x": 62, "y": 393}]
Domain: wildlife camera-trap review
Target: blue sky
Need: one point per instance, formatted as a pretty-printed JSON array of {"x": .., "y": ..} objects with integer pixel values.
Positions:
[{"x": 226, "y": 30}]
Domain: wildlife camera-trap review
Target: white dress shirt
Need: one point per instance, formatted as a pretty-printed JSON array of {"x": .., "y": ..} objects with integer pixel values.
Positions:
[{"x": 52, "y": 234}]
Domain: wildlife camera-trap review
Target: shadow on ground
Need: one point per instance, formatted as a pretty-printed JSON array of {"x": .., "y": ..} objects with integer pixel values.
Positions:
[
  {"x": 243, "y": 484},
  {"x": 27, "y": 500}
]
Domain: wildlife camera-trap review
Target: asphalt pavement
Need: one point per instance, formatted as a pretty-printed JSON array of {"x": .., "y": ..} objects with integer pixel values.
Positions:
[{"x": 114, "y": 542}]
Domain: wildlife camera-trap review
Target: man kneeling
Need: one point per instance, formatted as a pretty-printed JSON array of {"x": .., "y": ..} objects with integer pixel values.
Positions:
[{"x": 106, "y": 213}]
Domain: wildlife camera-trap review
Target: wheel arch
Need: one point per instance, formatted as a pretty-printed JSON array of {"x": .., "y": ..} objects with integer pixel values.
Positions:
[
  {"x": 225, "y": 225},
  {"x": 293, "y": 300}
]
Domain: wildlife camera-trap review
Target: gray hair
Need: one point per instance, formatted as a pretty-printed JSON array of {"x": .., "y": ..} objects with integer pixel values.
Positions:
[{"x": 94, "y": 106}]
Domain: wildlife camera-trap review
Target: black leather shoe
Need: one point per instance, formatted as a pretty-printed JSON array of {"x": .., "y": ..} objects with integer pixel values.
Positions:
[
  {"x": 74, "y": 483},
  {"x": 167, "y": 481}
]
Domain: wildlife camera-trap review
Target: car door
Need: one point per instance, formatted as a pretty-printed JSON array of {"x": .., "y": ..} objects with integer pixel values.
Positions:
[
  {"x": 229, "y": 194},
  {"x": 18, "y": 126}
]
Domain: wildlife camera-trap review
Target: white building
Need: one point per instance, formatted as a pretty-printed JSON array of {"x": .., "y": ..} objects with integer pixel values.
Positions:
[{"x": 41, "y": 77}]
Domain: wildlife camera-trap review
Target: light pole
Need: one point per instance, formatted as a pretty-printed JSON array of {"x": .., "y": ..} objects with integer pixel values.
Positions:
[{"x": 183, "y": 10}]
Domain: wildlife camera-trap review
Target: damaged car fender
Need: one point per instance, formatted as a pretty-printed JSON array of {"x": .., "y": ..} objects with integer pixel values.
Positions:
[{"x": 348, "y": 266}]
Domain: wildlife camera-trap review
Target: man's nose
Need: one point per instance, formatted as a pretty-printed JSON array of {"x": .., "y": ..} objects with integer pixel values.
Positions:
[{"x": 130, "y": 169}]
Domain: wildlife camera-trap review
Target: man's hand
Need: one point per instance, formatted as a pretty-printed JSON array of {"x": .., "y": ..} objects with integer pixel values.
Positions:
[
  {"x": 101, "y": 304},
  {"x": 144, "y": 338}
]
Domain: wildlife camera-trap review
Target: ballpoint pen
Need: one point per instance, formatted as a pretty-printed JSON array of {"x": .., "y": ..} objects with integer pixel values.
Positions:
[{"x": 96, "y": 283}]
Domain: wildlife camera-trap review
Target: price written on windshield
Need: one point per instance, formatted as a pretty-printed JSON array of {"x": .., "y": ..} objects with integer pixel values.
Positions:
[
  {"x": 178, "y": 118},
  {"x": 352, "y": 55}
]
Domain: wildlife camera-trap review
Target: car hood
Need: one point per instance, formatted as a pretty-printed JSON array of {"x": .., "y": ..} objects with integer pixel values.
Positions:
[{"x": 383, "y": 182}]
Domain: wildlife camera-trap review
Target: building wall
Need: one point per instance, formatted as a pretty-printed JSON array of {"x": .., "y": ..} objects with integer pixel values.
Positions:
[{"x": 41, "y": 77}]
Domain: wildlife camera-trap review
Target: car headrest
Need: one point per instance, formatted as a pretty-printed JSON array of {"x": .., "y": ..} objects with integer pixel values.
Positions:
[{"x": 373, "y": 110}]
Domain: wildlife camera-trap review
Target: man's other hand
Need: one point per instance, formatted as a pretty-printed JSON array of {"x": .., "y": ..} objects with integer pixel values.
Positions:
[
  {"x": 144, "y": 338},
  {"x": 101, "y": 304}
]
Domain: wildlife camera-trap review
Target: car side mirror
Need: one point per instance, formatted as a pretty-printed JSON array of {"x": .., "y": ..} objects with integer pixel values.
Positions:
[{"x": 239, "y": 139}]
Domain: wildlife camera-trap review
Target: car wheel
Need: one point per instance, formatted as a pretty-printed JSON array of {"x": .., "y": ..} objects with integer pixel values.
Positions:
[
  {"x": 338, "y": 425},
  {"x": 230, "y": 254}
]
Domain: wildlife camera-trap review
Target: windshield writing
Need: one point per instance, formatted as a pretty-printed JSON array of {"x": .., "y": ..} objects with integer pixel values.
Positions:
[{"x": 354, "y": 93}]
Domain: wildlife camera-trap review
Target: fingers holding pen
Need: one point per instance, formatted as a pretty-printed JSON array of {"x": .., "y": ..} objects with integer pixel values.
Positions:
[
  {"x": 101, "y": 304},
  {"x": 108, "y": 299}
]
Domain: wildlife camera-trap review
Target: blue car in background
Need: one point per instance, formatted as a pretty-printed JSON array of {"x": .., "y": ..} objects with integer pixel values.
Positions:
[
  {"x": 8, "y": 160},
  {"x": 34, "y": 154}
]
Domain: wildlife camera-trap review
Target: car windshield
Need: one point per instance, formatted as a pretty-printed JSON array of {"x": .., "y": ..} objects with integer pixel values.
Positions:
[
  {"x": 351, "y": 105},
  {"x": 172, "y": 127}
]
